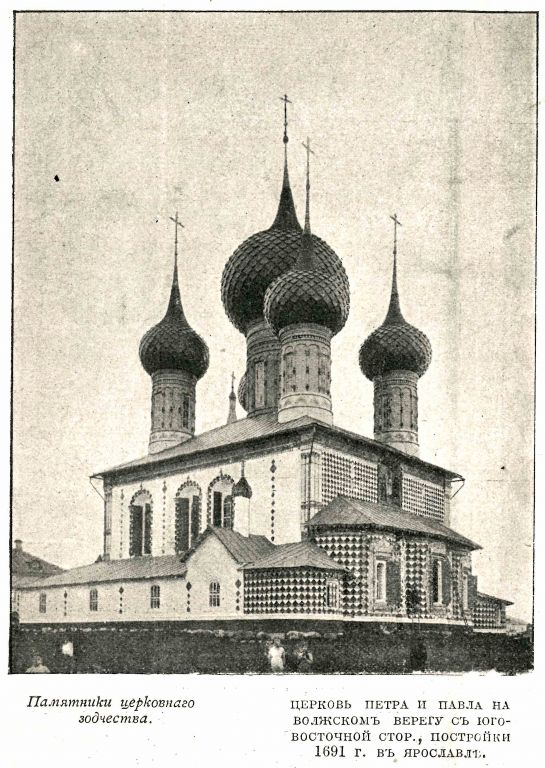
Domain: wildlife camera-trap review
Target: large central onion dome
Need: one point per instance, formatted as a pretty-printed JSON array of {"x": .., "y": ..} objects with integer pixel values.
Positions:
[
  {"x": 265, "y": 256},
  {"x": 172, "y": 344},
  {"x": 396, "y": 345},
  {"x": 306, "y": 293}
]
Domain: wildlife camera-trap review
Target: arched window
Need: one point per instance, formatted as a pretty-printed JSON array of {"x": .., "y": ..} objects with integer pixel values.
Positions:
[
  {"x": 437, "y": 582},
  {"x": 220, "y": 501},
  {"x": 43, "y": 602},
  {"x": 93, "y": 600},
  {"x": 380, "y": 581},
  {"x": 187, "y": 516},
  {"x": 141, "y": 518},
  {"x": 214, "y": 594},
  {"x": 155, "y": 596}
]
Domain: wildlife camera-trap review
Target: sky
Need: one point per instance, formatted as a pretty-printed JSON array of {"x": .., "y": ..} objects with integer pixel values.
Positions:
[{"x": 431, "y": 116}]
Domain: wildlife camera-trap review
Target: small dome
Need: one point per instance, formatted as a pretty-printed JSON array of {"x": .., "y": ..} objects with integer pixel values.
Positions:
[
  {"x": 242, "y": 488},
  {"x": 172, "y": 344},
  {"x": 399, "y": 347},
  {"x": 307, "y": 294},
  {"x": 396, "y": 345}
]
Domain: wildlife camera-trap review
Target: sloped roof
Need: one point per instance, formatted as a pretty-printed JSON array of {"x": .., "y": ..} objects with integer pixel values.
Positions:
[
  {"x": 255, "y": 428},
  {"x": 243, "y": 549},
  {"x": 23, "y": 564},
  {"x": 493, "y": 597},
  {"x": 344, "y": 511},
  {"x": 226, "y": 435},
  {"x": 116, "y": 570},
  {"x": 300, "y": 554}
]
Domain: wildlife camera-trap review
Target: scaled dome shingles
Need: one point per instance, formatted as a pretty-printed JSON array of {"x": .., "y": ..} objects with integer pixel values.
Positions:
[
  {"x": 262, "y": 258},
  {"x": 308, "y": 296},
  {"x": 173, "y": 345},
  {"x": 395, "y": 347}
]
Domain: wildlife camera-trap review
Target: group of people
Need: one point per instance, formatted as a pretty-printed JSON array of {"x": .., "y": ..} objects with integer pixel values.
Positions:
[{"x": 300, "y": 661}]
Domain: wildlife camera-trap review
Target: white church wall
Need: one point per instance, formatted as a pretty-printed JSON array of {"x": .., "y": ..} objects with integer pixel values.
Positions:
[
  {"x": 211, "y": 563},
  {"x": 274, "y": 507}
]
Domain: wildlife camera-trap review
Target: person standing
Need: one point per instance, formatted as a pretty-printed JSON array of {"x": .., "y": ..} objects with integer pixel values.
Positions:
[
  {"x": 277, "y": 656},
  {"x": 304, "y": 659},
  {"x": 38, "y": 667}
]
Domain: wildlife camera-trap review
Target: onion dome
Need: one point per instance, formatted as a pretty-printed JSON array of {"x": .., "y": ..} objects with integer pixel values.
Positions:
[
  {"x": 172, "y": 344},
  {"x": 242, "y": 393},
  {"x": 306, "y": 293},
  {"x": 242, "y": 487},
  {"x": 396, "y": 345},
  {"x": 266, "y": 255}
]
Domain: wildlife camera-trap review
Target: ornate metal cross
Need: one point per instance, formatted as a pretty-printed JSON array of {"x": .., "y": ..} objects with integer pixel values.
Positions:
[
  {"x": 286, "y": 101},
  {"x": 178, "y": 224},
  {"x": 396, "y": 224},
  {"x": 308, "y": 149}
]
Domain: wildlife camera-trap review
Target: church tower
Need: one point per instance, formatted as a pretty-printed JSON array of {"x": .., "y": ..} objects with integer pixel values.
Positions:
[
  {"x": 254, "y": 265},
  {"x": 306, "y": 308},
  {"x": 394, "y": 357},
  {"x": 176, "y": 358}
]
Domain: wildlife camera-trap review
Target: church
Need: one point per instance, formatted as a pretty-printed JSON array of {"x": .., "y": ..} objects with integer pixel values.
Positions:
[{"x": 281, "y": 514}]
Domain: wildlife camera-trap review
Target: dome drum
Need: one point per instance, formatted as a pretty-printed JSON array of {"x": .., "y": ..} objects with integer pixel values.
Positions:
[
  {"x": 172, "y": 409},
  {"x": 262, "y": 369},
  {"x": 396, "y": 410},
  {"x": 305, "y": 373}
]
